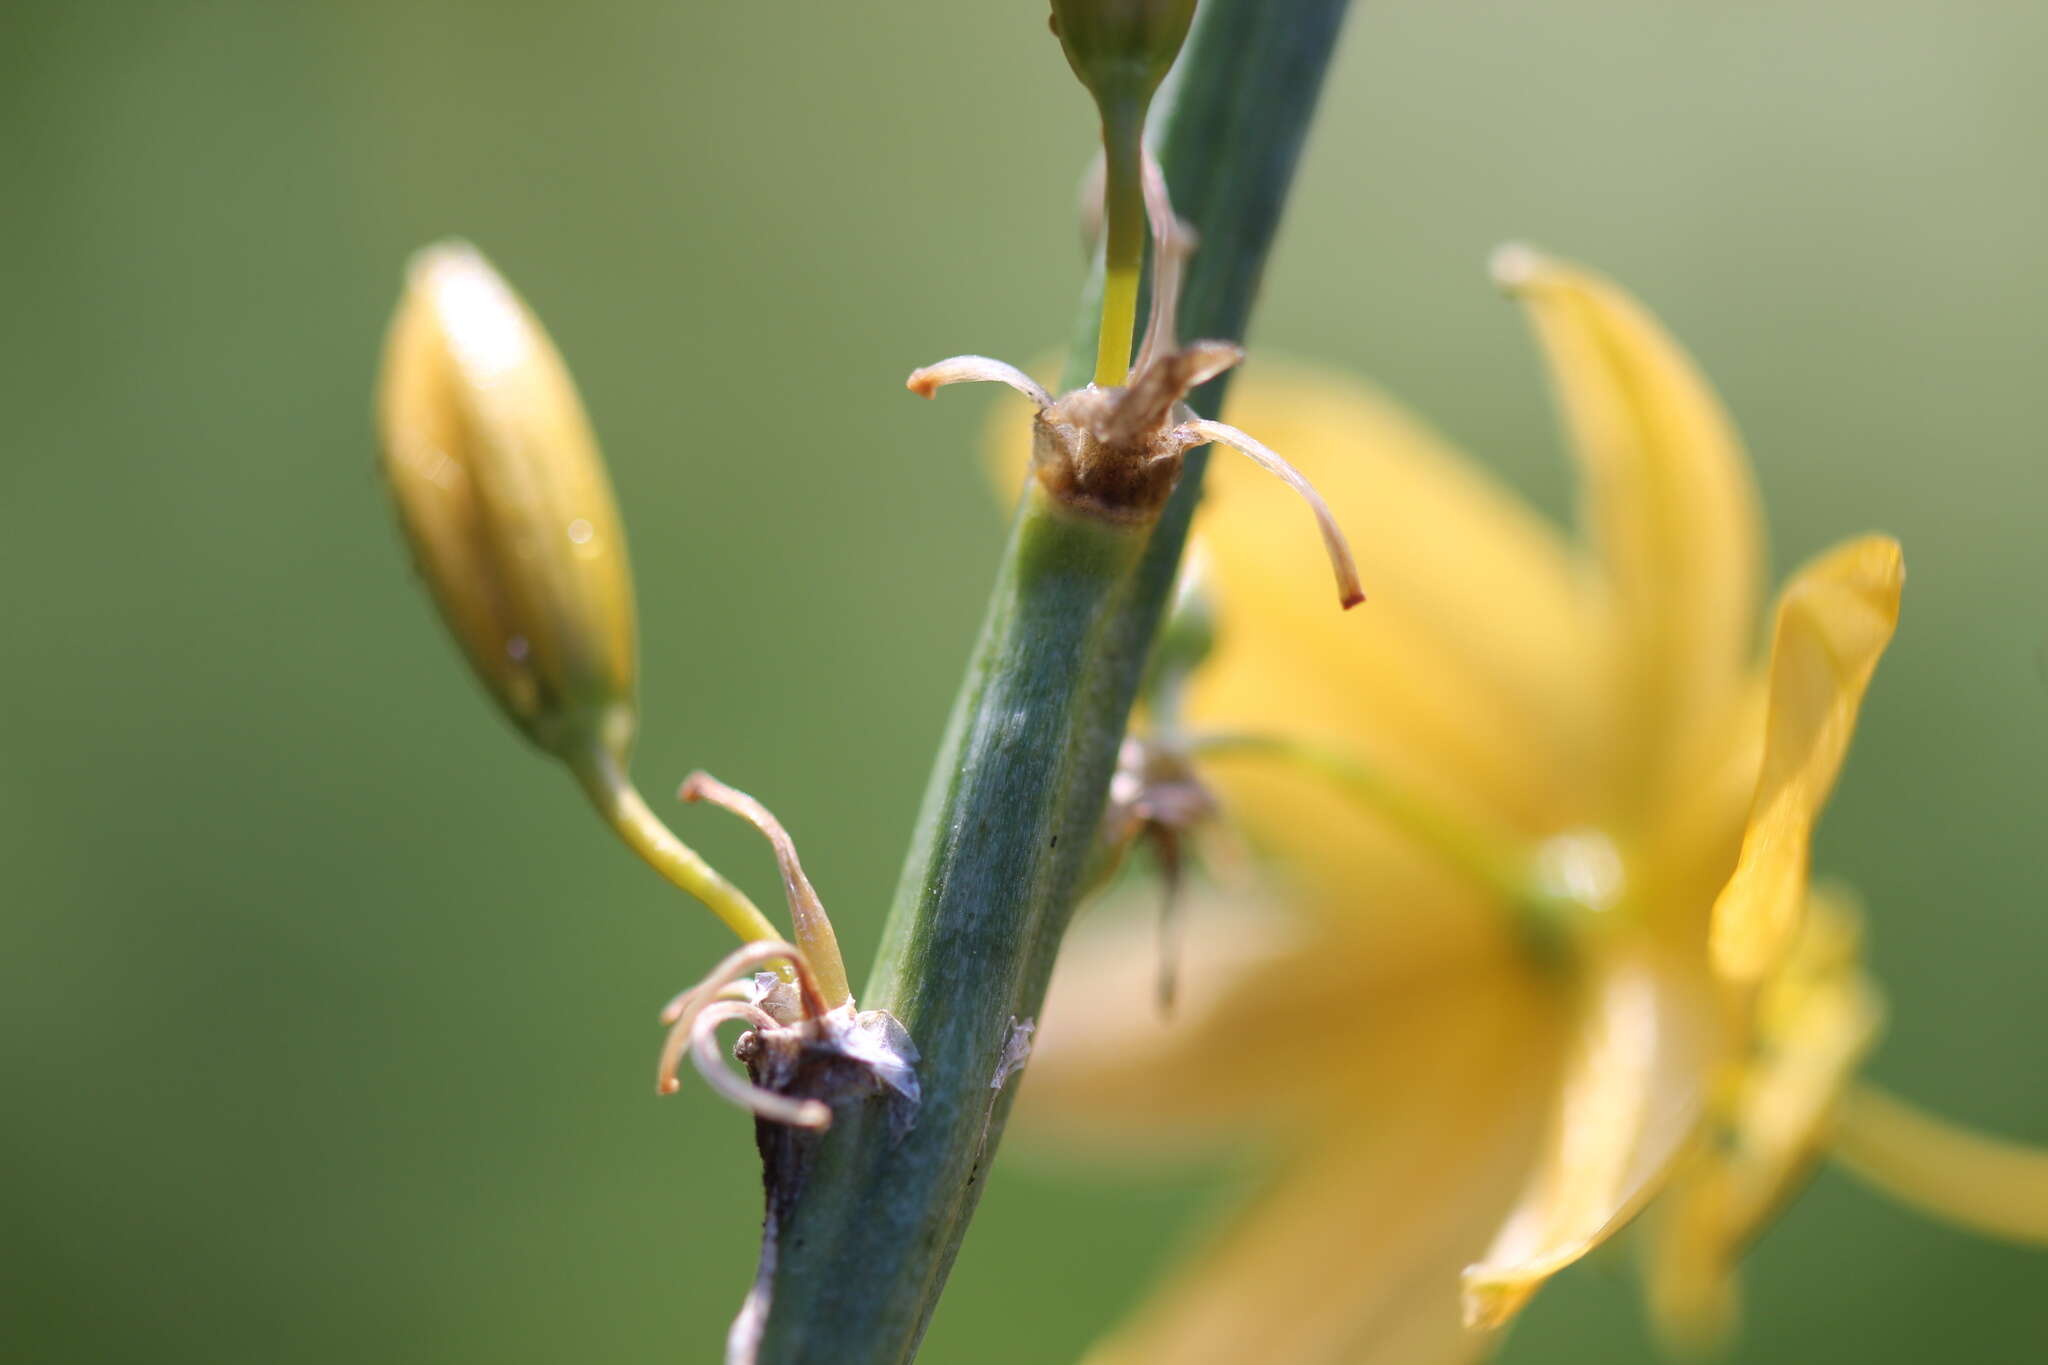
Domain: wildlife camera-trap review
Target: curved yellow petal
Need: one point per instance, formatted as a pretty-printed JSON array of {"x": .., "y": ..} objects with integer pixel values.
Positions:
[
  {"x": 1834, "y": 620},
  {"x": 1113, "y": 1074},
  {"x": 1461, "y": 678},
  {"x": 1670, "y": 505},
  {"x": 1986, "y": 1184},
  {"x": 1689, "y": 1271},
  {"x": 1350, "y": 1255},
  {"x": 1815, "y": 1020},
  {"x": 1689, "y": 852},
  {"x": 1632, "y": 1094}
]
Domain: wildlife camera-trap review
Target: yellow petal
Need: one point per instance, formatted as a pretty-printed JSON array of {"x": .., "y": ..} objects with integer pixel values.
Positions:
[
  {"x": 1632, "y": 1094},
  {"x": 1689, "y": 852},
  {"x": 1992, "y": 1186},
  {"x": 1834, "y": 619},
  {"x": 1694, "y": 1296},
  {"x": 1112, "y": 1073},
  {"x": 1461, "y": 678},
  {"x": 1670, "y": 505},
  {"x": 1815, "y": 1020},
  {"x": 1109, "y": 1070},
  {"x": 1350, "y": 1255}
]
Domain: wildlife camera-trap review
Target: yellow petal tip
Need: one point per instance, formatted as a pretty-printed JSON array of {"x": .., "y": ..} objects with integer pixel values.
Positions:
[
  {"x": 1490, "y": 1301},
  {"x": 450, "y": 252},
  {"x": 1883, "y": 562},
  {"x": 1517, "y": 265}
]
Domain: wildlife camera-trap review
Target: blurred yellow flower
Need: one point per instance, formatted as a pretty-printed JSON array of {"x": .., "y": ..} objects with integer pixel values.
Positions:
[{"x": 1550, "y": 946}]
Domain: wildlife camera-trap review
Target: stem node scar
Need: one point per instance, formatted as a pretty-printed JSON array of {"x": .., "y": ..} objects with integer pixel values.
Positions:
[{"x": 1116, "y": 450}]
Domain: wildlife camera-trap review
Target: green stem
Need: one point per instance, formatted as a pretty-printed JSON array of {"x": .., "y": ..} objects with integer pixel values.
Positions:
[{"x": 865, "y": 1219}]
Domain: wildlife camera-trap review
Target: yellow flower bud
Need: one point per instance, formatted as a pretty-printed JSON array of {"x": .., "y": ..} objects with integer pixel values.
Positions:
[
  {"x": 506, "y": 503},
  {"x": 1121, "y": 49}
]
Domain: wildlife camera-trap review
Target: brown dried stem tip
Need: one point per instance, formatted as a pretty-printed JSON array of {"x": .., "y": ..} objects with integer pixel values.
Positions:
[
  {"x": 1157, "y": 799},
  {"x": 1116, "y": 452}
]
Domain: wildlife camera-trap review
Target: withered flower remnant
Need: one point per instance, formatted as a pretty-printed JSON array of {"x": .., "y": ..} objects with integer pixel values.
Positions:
[
  {"x": 1157, "y": 797},
  {"x": 809, "y": 1045},
  {"x": 1116, "y": 451}
]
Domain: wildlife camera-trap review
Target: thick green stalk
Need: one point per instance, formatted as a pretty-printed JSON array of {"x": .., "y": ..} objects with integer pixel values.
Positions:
[{"x": 864, "y": 1220}]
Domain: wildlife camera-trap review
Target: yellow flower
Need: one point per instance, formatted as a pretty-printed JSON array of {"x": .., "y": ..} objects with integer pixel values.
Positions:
[{"x": 1549, "y": 945}]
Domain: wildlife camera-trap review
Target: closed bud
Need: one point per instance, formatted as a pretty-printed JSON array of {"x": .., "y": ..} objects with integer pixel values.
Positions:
[
  {"x": 1121, "y": 49},
  {"x": 506, "y": 503}
]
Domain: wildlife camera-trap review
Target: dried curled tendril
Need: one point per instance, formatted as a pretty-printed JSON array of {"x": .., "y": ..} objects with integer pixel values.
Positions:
[{"x": 787, "y": 993}]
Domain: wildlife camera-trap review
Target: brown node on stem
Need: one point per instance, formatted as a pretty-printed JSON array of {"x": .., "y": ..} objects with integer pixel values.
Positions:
[
  {"x": 1157, "y": 799},
  {"x": 1116, "y": 452},
  {"x": 807, "y": 1048}
]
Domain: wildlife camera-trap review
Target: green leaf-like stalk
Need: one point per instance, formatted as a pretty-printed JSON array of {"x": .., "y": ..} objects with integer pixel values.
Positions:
[{"x": 864, "y": 1219}]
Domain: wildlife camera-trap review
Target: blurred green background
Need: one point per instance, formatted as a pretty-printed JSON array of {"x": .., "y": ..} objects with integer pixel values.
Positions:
[{"x": 329, "y": 1012}]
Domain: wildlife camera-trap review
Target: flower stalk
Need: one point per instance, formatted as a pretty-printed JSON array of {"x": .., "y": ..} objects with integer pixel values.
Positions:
[
  {"x": 867, "y": 1218},
  {"x": 620, "y": 805},
  {"x": 1121, "y": 50}
]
